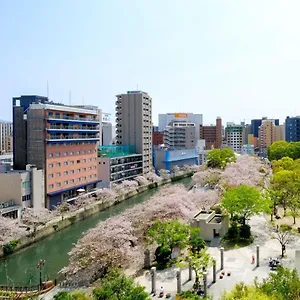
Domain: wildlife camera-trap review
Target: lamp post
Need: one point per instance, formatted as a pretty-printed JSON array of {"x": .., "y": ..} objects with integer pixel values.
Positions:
[{"x": 39, "y": 265}]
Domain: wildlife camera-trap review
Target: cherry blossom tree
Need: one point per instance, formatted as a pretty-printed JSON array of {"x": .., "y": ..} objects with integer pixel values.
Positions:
[
  {"x": 152, "y": 177},
  {"x": 126, "y": 186},
  {"x": 246, "y": 170},
  {"x": 119, "y": 240},
  {"x": 10, "y": 230},
  {"x": 164, "y": 174},
  {"x": 141, "y": 180}
]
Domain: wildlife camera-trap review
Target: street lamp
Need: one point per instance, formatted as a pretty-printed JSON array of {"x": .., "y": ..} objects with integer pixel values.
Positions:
[{"x": 40, "y": 265}]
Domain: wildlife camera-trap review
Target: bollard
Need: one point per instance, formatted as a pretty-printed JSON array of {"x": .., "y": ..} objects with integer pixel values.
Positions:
[
  {"x": 222, "y": 258},
  {"x": 178, "y": 277},
  {"x": 153, "y": 280},
  {"x": 190, "y": 272},
  {"x": 257, "y": 255},
  {"x": 214, "y": 271},
  {"x": 147, "y": 260},
  {"x": 205, "y": 284}
]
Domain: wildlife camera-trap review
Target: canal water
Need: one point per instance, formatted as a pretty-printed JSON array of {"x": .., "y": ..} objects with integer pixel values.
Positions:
[{"x": 21, "y": 267}]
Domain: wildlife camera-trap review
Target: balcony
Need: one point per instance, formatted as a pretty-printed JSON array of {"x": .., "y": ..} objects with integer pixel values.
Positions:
[
  {"x": 64, "y": 128},
  {"x": 75, "y": 120},
  {"x": 63, "y": 138}
]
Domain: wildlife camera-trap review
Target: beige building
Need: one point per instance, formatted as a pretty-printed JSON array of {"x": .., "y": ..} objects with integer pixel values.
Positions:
[
  {"x": 268, "y": 133},
  {"x": 180, "y": 135},
  {"x": 134, "y": 124},
  {"x": 6, "y": 137},
  {"x": 212, "y": 225},
  {"x": 20, "y": 189}
]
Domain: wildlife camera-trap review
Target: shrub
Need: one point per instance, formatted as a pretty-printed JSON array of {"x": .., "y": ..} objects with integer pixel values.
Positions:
[
  {"x": 10, "y": 247},
  {"x": 162, "y": 254},
  {"x": 152, "y": 186},
  {"x": 245, "y": 232},
  {"x": 233, "y": 232},
  {"x": 285, "y": 227}
]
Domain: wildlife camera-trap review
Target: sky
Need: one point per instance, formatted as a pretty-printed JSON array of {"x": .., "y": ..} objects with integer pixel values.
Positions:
[{"x": 239, "y": 60}]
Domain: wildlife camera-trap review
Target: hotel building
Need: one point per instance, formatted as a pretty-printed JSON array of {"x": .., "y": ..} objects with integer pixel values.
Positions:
[{"x": 62, "y": 140}]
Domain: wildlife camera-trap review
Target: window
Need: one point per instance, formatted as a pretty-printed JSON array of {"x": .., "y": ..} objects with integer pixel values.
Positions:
[
  {"x": 90, "y": 159},
  {"x": 57, "y": 115},
  {"x": 50, "y": 176},
  {"x": 57, "y": 154},
  {"x": 89, "y": 151},
  {"x": 51, "y": 155},
  {"x": 65, "y": 153},
  {"x": 65, "y": 172},
  {"x": 66, "y": 182},
  {"x": 78, "y": 152},
  {"x": 26, "y": 198},
  {"x": 50, "y": 186},
  {"x": 72, "y": 172},
  {"x": 71, "y": 153},
  {"x": 95, "y": 175},
  {"x": 50, "y": 165},
  {"x": 90, "y": 176},
  {"x": 26, "y": 185},
  {"x": 65, "y": 163},
  {"x": 78, "y": 161},
  {"x": 84, "y": 160},
  {"x": 83, "y": 178},
  {"x": 72, "y": 162},
  {"x": 58, "y": 164},
  {"x": 84, "y": 170},
  {"x": 72, "y": 181},
  {"x": 50, "y": 113},
  {"x": 58, "y": 184},
  {"x": 90, "y": 168},
  {"x": 79, "y": 179},
  {"x": 83, "y": 152},
  {"x": 58, "y": 174},
  {"x": 78, "y": 170}
]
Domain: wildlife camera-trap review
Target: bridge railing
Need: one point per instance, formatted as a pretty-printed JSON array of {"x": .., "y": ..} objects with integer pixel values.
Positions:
[{"x": 8, "y": 288}]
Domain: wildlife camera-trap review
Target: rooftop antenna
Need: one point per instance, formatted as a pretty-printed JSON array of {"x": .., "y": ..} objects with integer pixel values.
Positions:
[
  {"x": 47, "y": 89},
  {"x": 70, "y": 96}
]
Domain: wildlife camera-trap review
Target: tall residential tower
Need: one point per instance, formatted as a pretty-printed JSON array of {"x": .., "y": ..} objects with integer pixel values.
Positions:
[{"x": 134, "y": 124}]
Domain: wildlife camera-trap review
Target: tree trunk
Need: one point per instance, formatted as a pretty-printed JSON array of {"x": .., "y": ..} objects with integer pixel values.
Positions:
[
  {"x": 294, "y": 219},
  {"x": 284, "y": 210},
  {"x": 282, "y": 251},
  {"x": 271, "y": 217}
]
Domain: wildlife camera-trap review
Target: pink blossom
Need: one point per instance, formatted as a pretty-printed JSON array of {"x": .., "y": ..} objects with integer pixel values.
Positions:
[
  {"x": 119, "y": 240},
  {"x": 10, "y": 230},
  {"x": 141, "y": 180}
]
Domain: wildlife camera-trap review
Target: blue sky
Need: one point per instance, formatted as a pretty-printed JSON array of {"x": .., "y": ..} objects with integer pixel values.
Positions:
[{"x": 234, "y": 59}]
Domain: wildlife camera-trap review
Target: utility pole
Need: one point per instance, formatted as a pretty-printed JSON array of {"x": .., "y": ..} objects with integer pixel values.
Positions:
[{"x": 39, "y": 265}]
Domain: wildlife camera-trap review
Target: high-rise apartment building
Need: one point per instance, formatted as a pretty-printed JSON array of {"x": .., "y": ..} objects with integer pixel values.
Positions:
[
  {"x": 268, "y": 133},
  {"x": 256, "y": 123},
  {"x": 5, "y": 137},
  {"x": 180, "y": 135},
  {"x": 212, "y": 135},
  {"x": 292, "y": 129},
  {"x": 234, "y": 136},
  {"x": 134, "y": 124},
  {"x": 165, "y": 119},
  {"x": 62, "y": 140},
  {"x": 107, "y": 129}
]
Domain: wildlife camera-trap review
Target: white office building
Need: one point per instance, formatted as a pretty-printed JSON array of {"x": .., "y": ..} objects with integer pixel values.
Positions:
[{"x": 165, "y": 119}]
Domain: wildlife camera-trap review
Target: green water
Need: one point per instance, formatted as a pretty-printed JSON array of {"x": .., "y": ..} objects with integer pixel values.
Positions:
[{"x": 20, "y": 268}]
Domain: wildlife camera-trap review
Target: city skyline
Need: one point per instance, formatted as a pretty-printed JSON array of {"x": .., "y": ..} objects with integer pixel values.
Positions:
[{"x": 234, "y": 60}]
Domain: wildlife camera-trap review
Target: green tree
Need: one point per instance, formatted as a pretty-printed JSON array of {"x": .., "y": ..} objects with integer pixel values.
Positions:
[
  {"x": 117, "y": 286},
  {"x": 246, "y": 292},
  {"x": 64, "y": 295},
  {"x": 168, "y": 235},
  {"x": 199, "y": 261},
  {"x": 283, "y": 284},
  {"x": 244, "y": 201},
  {"x": 219, "y": 158},
  {"x": 196, "y": 242}
]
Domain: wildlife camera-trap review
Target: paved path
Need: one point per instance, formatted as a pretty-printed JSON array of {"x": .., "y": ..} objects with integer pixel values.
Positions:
[{"x": 236, "y": 261}]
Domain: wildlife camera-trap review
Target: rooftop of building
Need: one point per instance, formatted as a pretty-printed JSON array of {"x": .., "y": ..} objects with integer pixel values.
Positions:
[{"x": 116, "y": 151}]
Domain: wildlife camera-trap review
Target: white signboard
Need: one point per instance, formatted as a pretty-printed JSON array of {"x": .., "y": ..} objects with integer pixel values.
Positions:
[{"x": 106, "y": 117}]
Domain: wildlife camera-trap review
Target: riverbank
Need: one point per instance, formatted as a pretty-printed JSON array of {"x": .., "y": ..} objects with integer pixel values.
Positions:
[{"x": 68, "y": 219}]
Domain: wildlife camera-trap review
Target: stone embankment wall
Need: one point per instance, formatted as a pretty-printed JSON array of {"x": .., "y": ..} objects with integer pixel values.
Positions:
[{"x": 69, "y": 219}]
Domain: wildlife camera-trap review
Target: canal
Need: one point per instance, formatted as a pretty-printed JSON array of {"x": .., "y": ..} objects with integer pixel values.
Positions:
[{"x": 21, "y": 267}]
